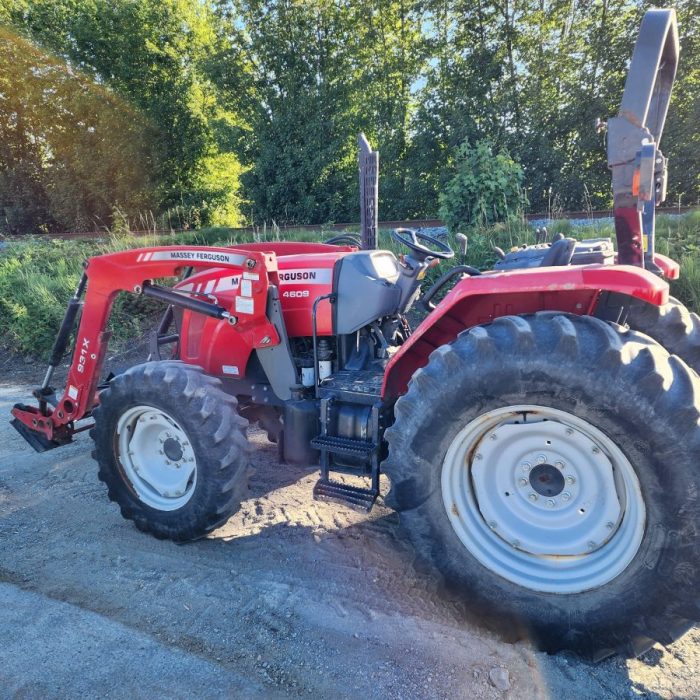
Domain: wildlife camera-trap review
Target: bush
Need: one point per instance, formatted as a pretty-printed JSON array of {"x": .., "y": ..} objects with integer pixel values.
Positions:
[{"x": 485, "y": 188}]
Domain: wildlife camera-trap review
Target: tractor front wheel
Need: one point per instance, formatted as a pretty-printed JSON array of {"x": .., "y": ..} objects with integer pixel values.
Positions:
[
  {"x": 547, "y": 466},
  {"x": 171, "y": 448}
]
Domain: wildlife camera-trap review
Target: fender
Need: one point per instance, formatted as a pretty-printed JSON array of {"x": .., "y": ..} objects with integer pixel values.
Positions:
[{"x": 478, "y": 300}]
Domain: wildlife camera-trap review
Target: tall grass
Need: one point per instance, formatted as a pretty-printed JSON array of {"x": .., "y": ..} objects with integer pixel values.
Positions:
[{"x": 38, "y": 276}]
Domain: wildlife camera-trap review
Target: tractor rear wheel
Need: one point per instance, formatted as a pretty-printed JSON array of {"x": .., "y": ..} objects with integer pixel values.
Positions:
[
  {"x": 172, "y": 450},
  {"x": 547, "y": 467},
  {"x": 672, "y": 325}
]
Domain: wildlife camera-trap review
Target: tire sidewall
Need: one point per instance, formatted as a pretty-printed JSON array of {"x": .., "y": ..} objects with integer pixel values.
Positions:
[
  {"x": 665, "y": 561},
  {"x": 203, "y": 489},
  {"x": 216, "y": 432}
]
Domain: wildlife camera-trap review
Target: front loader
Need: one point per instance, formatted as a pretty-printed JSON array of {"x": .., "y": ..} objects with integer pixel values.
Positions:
[{"x": 542, "y": 452}]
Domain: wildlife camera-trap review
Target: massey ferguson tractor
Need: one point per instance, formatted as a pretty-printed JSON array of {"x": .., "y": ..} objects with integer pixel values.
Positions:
[{"x": 539, "y": 428}]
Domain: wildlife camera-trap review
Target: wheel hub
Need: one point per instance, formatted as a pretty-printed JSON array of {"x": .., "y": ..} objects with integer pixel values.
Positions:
[
  {"x": 173, "y": 449},
  {"x": 543, "y": 498},
  {"x": 157, "y": 457},
  {"x": 547, "y": 480},
  {"x": 520, "y": 475}
]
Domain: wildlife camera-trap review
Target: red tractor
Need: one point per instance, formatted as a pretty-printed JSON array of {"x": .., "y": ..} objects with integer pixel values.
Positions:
[{"x": 540, "y": 428}]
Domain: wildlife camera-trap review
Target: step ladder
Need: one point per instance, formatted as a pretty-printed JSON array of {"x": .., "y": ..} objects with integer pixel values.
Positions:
[{"x": 327, "y": 489}]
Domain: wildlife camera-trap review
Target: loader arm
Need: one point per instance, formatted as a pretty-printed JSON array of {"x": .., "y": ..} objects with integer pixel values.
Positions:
[{"x": 134, "y": 271}]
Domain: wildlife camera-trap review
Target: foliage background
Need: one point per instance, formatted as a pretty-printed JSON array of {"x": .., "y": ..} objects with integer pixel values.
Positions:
[
  {"x": 182, "y": 113},
  {"x": 39, "y": 274}
]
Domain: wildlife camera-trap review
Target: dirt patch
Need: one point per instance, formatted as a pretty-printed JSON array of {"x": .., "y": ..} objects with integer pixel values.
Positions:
[{"x": 290, "y": 598}]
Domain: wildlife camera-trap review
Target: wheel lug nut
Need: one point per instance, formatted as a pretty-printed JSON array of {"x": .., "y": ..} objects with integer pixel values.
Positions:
[
  {"x": 566, "y": 495},
  {"x": 167, "y": 461},
  {"x": 570, "y": 480},
  {"x": 559, "y": 465},
  {"x": 596, "y": 450},
  {"x": 523, "y": 481},
  {"x": 541, "y": 459},
  {"x": 533, "y": 497},
  {"x": 526, "y": 466},
  {"x": 551, "y": 502},
  {"x": 610, "y": 526},
  {"x": 160, "y": 452}
]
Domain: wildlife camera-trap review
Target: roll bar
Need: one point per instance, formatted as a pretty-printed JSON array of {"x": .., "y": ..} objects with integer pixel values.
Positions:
[{"x": 638, "y": 166}]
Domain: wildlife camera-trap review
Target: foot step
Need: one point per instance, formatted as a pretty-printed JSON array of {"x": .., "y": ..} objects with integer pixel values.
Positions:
[
  {"x": 353, "y": 496},
  {"x": 343, "y": 445}
]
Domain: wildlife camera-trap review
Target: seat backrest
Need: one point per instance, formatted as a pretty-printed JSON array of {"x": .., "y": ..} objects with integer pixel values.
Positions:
[{"x": 559, "y": 253}]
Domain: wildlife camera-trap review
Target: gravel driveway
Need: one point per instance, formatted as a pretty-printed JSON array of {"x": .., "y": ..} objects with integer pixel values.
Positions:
[{"x": 290, "y": 598}]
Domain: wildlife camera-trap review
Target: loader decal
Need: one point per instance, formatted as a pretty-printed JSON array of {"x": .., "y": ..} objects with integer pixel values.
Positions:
[{"x": 194, "y": 256}]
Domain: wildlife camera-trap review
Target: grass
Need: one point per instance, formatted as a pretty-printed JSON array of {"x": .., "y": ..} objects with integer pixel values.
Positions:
[{"x": 37, "y": 276}]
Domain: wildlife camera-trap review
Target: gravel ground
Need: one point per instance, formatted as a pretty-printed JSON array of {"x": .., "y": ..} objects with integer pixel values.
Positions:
[{"x": 291, "y": 598}]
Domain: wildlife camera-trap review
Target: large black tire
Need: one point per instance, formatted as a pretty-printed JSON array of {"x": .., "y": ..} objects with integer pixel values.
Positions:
[
  {"x": 217, "y": 433},
  {"x": 670, "y": 325},
  {"x": 624, "y": 385}
]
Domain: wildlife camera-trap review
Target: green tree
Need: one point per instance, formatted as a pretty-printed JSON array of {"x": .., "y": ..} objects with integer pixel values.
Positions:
[
  {"x": 484, "y": 188},
  {"x": 299, "y": 93},
  {"x": 153, "y": 57}
]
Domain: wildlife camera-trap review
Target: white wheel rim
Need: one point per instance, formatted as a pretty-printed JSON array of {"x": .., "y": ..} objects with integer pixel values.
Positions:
[
  {"x": 157, "y": 457},
  {"x": 543, "y": 499}
]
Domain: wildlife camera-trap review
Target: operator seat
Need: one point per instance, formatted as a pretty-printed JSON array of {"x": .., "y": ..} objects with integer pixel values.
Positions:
[{"x": 560, "y": 253}]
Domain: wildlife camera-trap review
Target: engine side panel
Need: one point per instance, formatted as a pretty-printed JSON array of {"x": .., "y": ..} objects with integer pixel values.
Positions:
[
  {"x": 301, "y": 278},
  {"x": 222, "y": 349}
]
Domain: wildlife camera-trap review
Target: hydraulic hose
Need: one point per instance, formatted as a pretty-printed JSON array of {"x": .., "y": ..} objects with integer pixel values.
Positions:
[{"x": 444, "y": 279}]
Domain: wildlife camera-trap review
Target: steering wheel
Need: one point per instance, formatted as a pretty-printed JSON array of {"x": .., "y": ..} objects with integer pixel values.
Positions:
[{"x": 410, "y": 238}]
